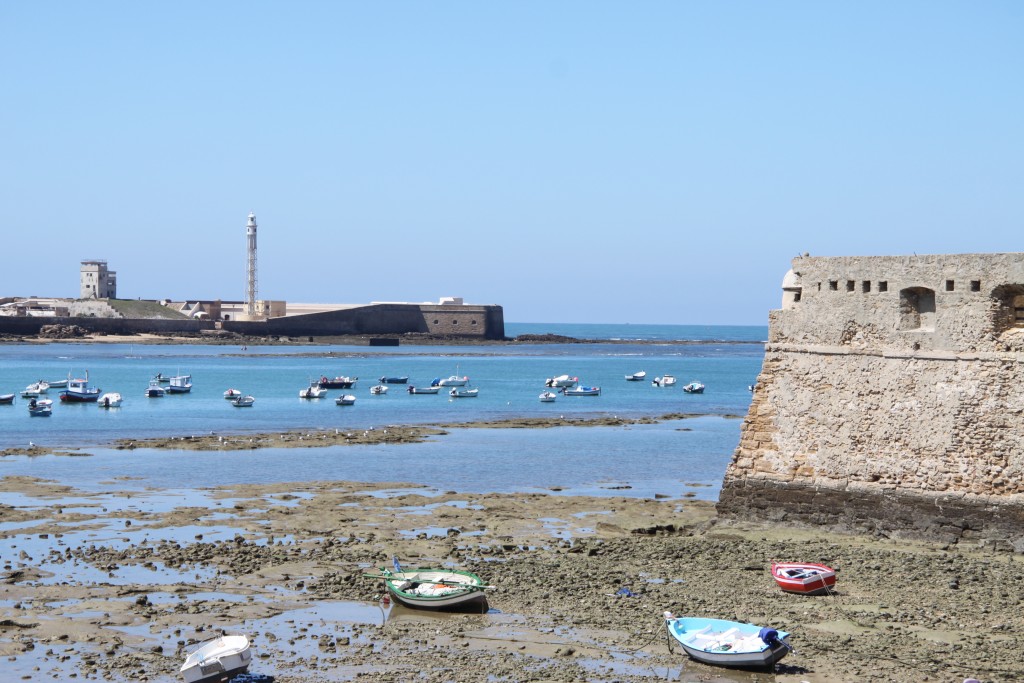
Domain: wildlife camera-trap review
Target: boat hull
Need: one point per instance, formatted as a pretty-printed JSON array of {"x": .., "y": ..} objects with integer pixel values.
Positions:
[
  {"x": 76, "y": 397},
  {"x": 804, "y": 578},
  {"x": 337, "y": 382},
  {"x": 424, "y": 390},
  {"x": 697, "y": 637},
  {"x": 443, "y": 596}
]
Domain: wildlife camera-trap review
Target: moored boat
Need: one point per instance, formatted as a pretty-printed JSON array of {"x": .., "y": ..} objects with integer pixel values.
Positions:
[
  {"x": 805, "y": 578},
  {"x": 40, "y": 407},
  {"x": 79, "y": 391},
  {"x": 453, "y": 381},
  {"x": 180, "y": 384},
  {"x": 379, "y": 389},
  {"x": 728, "y": 643},
  {"x": 548, "y": 396},
  {"x": 581, "y": 391},
  {"x": 314, "y": 390},
  {"x": 154, "y": 390},
  {"x": 110, "y": 400},
  {"x": 232, "y": 394},
  {"x": 244, "y": 401},
  {"x": 35, "y": 389},
  {"x": 393, "y": 380},
  {"x": 463, "y": 392},
  {"x": 694, "y": 388},
  {"x": 664, "y": 381},
  {"x": 162, "y": 378},
  {"x": 561, "y": 381},
  {"x": 423, "y": 390},
  {"x": 337, "y": 383},
  {"x": 436, "y": 589},
  {"x": 345, "y": 400},
  {"x": 58, "y": 383},
  {"x": 637, "y": 377},
  {"x": 220, "y": 659},
  {"x": 6, "y": 399}
]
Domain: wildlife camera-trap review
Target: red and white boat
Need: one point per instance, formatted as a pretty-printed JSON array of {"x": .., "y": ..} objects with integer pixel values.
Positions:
[{"x": 805, "y": 578}]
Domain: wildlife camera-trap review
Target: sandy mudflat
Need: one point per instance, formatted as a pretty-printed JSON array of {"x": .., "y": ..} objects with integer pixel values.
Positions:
[{"x": 114, "y": 586}]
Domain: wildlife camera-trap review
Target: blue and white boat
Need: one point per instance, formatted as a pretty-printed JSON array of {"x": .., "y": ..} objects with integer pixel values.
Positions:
[
  {"x": 180, "y": 384},
  {"x": 581, "y": 391},
  {"x": 79, "y": 391},
  {"x": 728, "y": 643}
]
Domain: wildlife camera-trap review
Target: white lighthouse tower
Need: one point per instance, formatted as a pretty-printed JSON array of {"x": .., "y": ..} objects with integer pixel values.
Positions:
[{"x": 250, "y": 290}]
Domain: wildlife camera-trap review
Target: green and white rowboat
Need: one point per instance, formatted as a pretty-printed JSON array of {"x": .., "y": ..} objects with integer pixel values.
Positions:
[{"x": 436, "y": 589}]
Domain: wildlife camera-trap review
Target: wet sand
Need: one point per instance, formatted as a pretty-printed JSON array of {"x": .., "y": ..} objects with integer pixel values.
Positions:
[{"x": 116, "y": 586}]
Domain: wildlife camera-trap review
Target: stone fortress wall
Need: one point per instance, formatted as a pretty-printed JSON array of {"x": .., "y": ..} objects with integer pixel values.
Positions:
[{"x": 891, "y": 399}]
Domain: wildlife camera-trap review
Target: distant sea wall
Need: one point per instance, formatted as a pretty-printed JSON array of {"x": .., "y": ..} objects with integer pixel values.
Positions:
[
  {"x": 485, "y": 322},
  {"x": 891, "y": 400}
]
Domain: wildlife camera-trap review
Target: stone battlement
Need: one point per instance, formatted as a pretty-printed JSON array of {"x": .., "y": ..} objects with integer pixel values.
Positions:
[{"x": 891, "y": 399}]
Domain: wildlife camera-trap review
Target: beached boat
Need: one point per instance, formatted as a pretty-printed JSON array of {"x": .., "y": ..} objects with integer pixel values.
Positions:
[
  {"x": 561, "y": 381},
  {"x": 805, "y": 578},
  {"x": 154, "y": 390},
  {"x": 79, "y": 391},
  {"x": 244, "y": 401},
  {"x": 548, "y": 397},
  {"x": 345, "y": 400},
  {"x": 220, "y": 659},
  {"x": 581, "y": 391},
  {"x": 379, "y": 389},
  {"x": 727, "y": 643},
  {"x": 314, "y": 390},
  {"x": 453, "y": 381},
  {"x": 694, "y": 388},
  {"x": 337, "y": 383},
  {"x": 664, "y": 381},
  {"x": 423, "y": 390},
  {"x": 180, "y": 384},
  {"x": 463, "y": 392},
  {"x": 232, "y": 394},
  {"x": 110, "y": 400},
  {"x": 6, "y": 399},
  {"x": 436, "y": 589},
  {"x": 40, "y": 407},
  {"x": 393, "y": 380},
  {"x": 637, "y": 377}
]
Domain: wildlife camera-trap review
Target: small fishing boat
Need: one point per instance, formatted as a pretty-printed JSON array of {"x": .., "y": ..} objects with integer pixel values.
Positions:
[
  {"x": 337, "y": 383},
  {"x": 463, "y": 392},
  {"x": 379, "y": 389},
  {"x": 345, "y": 400},
  {"x": 548, "y": 397},
  {"x": 58, "y": 383},
  {"x": 180, "y": 384},
  {"x": 40, "y": 407},
  {"x": 35, "y": 389},
  {"x": 243, "y": 401},
  {"x": 664, "y": 381},
  {"x": 162, "y": 378},
  {"x": 79, "y": 391},
  {"x": 393, "y": 380},
  {"x": 110, "y": 400},
  {"x": 314, "y": 390},
  {"x": 561, "y": 381},
  {"x": 220, "y": 659},
  {"x": 453, "y": 381},
  {"x": 436, "y": 589},
  {"x": 727, "y": 643},
  {"x": 637, "y": 377},
  {"x": 423, "y": 390},
  {"x": 805, "y": 578},
  {"x": 581, "y": 391},
  {"x": 6, "y": 399},
  {"x": 154, "y": 390},
  {"x": 694, "y": 388},
  {"x": 232, "y": 394}
]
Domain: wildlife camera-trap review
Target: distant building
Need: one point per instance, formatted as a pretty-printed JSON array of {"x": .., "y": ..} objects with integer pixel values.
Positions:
[{"x": 97, "y": 282}]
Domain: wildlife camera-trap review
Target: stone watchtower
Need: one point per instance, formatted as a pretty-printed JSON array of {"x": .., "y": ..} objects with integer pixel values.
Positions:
[
  {"x": 891, "y": 399},
  {"x": 97, "y": 282}
]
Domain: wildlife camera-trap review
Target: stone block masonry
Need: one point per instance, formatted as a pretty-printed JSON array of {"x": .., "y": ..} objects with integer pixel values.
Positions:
[{"x": 891, "y": 399}]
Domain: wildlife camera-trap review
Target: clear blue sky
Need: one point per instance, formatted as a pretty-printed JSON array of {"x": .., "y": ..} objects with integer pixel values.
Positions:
[{"x": 652, "y": 162}]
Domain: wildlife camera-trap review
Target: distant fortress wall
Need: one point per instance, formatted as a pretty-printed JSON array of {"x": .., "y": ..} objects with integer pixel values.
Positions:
[
  {"x": 891, "y": 399},
  {"x": 482, "y": 321}
]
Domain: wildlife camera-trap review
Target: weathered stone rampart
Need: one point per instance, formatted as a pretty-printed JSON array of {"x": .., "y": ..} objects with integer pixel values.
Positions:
[{"x": 891, "y": 399}]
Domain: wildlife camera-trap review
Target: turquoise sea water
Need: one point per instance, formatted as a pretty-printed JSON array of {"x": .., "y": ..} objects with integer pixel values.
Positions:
[{"x": 669, "y": 458}]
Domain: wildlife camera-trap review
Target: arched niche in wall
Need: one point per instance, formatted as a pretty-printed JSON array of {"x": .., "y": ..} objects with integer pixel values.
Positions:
[
  {"x": 917, "y": 309},
  {"x": 1008, "y": 309}
]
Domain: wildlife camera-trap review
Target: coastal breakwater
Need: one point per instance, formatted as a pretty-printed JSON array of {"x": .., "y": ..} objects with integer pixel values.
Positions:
[
  {"x": 891, "y": 400},
  {"x": 464, "y": 320}
]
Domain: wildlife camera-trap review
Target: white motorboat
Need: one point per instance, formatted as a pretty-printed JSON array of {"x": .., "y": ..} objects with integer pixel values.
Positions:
[
  {"x": 548, "y": 397},
  {"x": 637, "y": 377},
  {"x": 220, "y": 659},
  {"x": 424, "y": 390},
  {"x": 35, "y": 389},
  {"x": 314, "y": 390},
  {"x": 232, "y": 394},
  {"x": 244, "y": 401},
  {"x": 57, "y": 383},
  {"x": 664, "y": 381},
  {"x": 581, "y": 391},
  {"x": 453, "y": 381},
  {"x": 154, "y": 390},
  {"x": 379, "y": 389},
  {"x": 463, "y": 392},
  {"x": 110, "y": 400},
  {"x": 561, "y": 381},
  {"x": 694, "y": 388},
  {"x": 345, "y": 400},
  {"x": 40, "y": 407}
]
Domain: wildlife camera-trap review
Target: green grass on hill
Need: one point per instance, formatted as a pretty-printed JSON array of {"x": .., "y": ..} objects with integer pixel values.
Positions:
[{"x": 132, "y": 308}]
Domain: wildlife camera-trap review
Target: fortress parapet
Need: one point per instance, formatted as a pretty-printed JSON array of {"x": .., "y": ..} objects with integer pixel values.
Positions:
[{"x": 891, "y": 399}]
